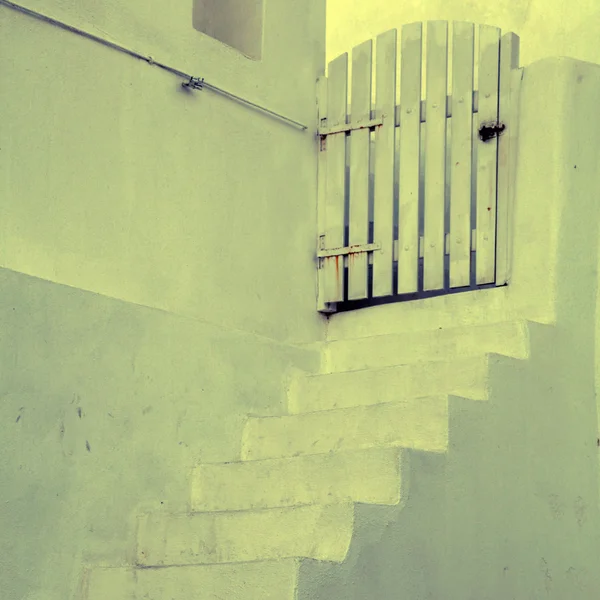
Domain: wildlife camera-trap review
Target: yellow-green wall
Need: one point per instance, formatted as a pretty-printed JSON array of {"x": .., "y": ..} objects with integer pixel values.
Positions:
[
  {"x": 512, "y": 509},
  {"x": 105, "y": 407},
  {"x": 116, "y": 179},
  {"x": 546, "y": 27},
  {"x": 157, "y": 254}
]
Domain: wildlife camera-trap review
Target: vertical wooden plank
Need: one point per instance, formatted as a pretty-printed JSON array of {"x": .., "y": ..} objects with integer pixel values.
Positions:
[
  {"x": 410, "y": 143},
  {"x": 383, "y": 201},
  {"x": 322, "y": 305},
  {"x": 487, "y": 154},
  {"x": 463, "y": 64},
  {"x": 337, "y": 99},
  {"x": 435, "y": 155},
  {"x": 509, "y": 61},
  {"x": 360, "y": 113}
]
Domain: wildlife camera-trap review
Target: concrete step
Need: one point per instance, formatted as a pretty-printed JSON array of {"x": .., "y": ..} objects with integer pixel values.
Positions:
[
  {"x": 462, "y": 376},
  {"x": 477, "y": 307},
  {"x": 419, "y": 423},
  {"x": 313, "y": 531},
  {"x": 371, "y": 476},
  {"x": 509, "y": 338},
  {"x": 265, "y": 580}
]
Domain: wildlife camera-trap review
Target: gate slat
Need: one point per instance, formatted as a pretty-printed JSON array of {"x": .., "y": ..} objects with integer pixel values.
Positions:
[
  {"x": 489, "y": 56},
  {"x": 358, "y": 221},
  {"x": 435, "y": 155},
  {"x": 461, "y": 153},
  {"x": 509, "y": 60},
  {"x": 410, "y": 142},
  {"x": 383, "y": 201},
  {"x": 337, "y": 99},
  {"x": 322, "y": 305},
  {"x": 489, "y": 161}
]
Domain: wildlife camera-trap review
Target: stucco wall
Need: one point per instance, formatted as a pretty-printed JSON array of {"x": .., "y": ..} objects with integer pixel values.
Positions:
[
  {"x": 546, "y": 27},
  {"x": 105, "y": 406},
  {"x": 191, "y": 207},
  {"x": 511, "y": 511},
  {"x": 115, "y": 179},
  {"x": 156, "y": 253}
]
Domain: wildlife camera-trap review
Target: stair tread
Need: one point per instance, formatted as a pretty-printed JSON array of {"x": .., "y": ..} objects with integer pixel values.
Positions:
[
  {"x": 369, "y": 476},
  {"x": 462, "y": 376},
  {"x": 441, "y": 331},
  {"x": 477, "y": 307},
  {"x": 321, "y": 532},
  {"x": 507, "y": 337},
  {"x": 259, "y": 580},
  {"x": 419, "y": 423}
]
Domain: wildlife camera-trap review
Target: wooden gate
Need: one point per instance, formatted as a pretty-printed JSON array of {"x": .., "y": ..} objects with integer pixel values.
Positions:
[{"x": 413, "y": 195}]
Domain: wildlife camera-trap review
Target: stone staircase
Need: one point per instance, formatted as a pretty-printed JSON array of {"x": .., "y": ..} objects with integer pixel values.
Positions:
[{"x": 291, "y": 496}]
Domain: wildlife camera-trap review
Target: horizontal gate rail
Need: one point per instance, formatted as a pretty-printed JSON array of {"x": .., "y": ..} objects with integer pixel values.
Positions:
[
  {"x": 373, "y": 122},
  {"x": 420, "y": 218}
]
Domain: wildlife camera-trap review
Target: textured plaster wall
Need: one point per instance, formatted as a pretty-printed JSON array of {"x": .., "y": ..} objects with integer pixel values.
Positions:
[
  {"x": 115, "y": 179},
  {"x": 105, "y": 406},
  {"x": 546, "y": 27},
  {"x": 511, "y": 511},
  {"x": 156, "y": 248}
]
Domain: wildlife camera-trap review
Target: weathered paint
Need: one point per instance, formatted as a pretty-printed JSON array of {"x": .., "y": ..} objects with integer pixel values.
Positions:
[{"x": 524, "y": 527}]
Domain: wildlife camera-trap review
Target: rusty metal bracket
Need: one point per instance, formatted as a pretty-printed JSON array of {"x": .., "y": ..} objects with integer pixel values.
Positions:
[
  {"x": 324, "y": 131},
  {"x": 355, "y": 249}
]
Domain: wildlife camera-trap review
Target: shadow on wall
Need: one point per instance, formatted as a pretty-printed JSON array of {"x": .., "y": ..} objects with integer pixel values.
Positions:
[
  {"x": 510, "y": 511},
  {"x": 237, "y": 23}
]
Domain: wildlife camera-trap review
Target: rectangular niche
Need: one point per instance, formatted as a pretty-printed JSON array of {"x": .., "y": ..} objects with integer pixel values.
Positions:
[{"x": 237, "y": 23}]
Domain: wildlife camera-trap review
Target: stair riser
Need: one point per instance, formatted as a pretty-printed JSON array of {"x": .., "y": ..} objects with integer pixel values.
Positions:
[
  {"x": 418, "y": 423},
  {"x": 464, "y": 377},
  {"x": 318, "y": 532},
  {"x": 245, "y": 581},
  {"x": 508, "y": 339},
  {"x": 371, "y": 477}
]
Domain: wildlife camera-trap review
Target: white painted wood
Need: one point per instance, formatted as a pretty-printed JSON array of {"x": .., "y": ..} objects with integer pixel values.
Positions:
[
  {"x": 435, "y": 155},
  {"x": 494, "y": 102},
  {"x": 358, "y": 221},
  {"x": 463, "y": 64},
  {"x": 509, "y": 61},
  {"x": 487, "y": 154},
  {"x": 410, "y": 142},
  {"x": 383, "y": 201},
  {"x": 335, "y": 144}
]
